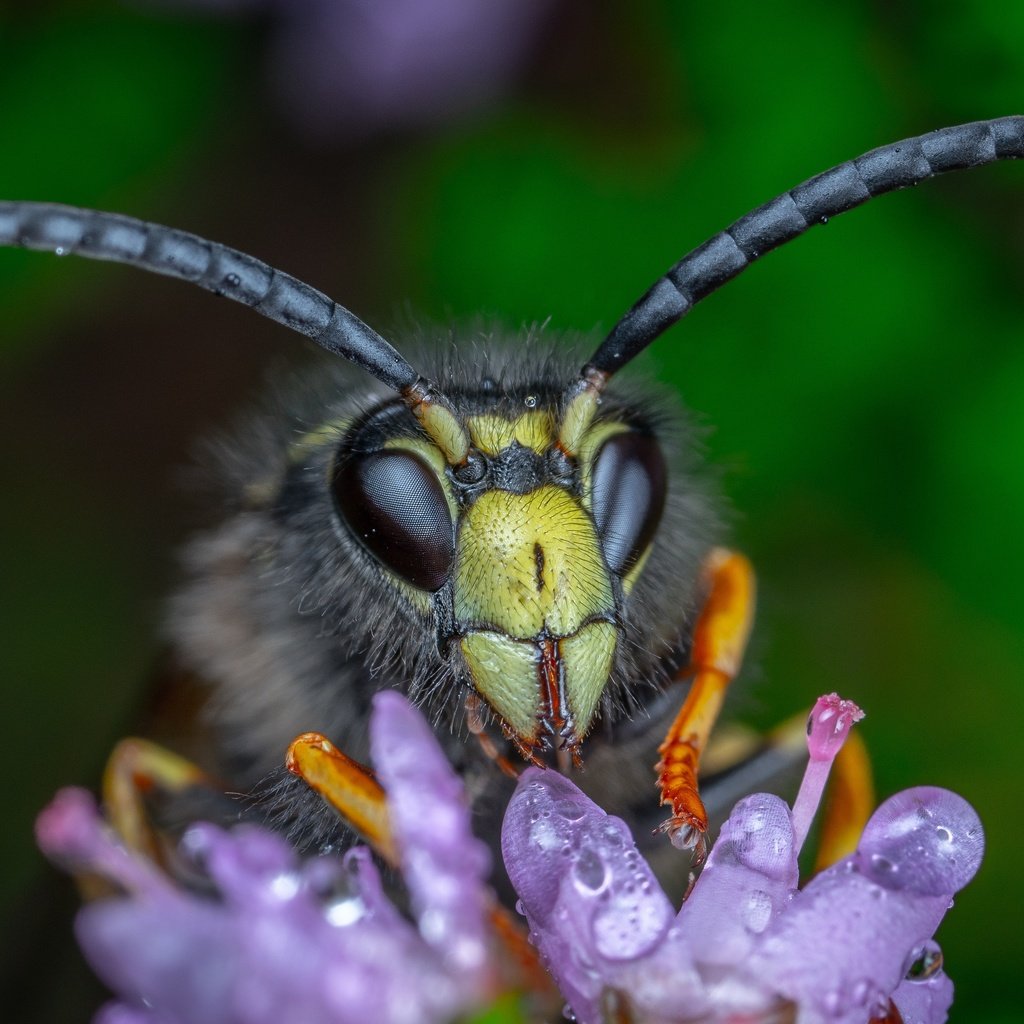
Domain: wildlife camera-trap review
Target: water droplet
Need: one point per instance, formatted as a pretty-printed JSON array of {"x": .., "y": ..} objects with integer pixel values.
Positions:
[
  {"x": 544, "y": 836},
  {"x": 60, "y": 251},
  {"x": 530, "y": 402},
  {"x": 943, "y": 833},
  {"x": 925, "y": 962},
  {"x": 520, "y": 909},
  {"x": 882, "y": 864},
  {"x": 823, "y": 220},
  {"x": 756, "y": 820},
  {"x": 344, "y": 912},
  {"x": 284, "y": 886},
  {"x": 571, "y": 810},
  {"x": 232, "y": 280},
  {"x": 589, "y": 872},
  {"x": 757, "y": 911},
  {"x": 624, "y": 929},
  {"x": 861, "y": 992}
]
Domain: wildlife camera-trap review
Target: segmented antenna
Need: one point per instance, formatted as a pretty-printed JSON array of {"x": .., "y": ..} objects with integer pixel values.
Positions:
[
  {"x": 274, "y": 294},
  {"x": 709, "y": 266},
  {"x": 223, "y": 271}
]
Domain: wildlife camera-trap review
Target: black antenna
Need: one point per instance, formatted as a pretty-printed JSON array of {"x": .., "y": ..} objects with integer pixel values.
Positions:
[
  {"x": 709, "y": 266},
  {"x": 107, "y": 236}
]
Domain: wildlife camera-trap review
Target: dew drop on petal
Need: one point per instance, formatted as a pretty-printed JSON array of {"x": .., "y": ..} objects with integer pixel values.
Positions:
[
  {"x": 589, "y": 872},
  {"x": 625, "y": 928},
  {"x": 757, "y": 911},
  {"x": 571, "y": 810},
  {"x": 543, "y": 836},
  {"x": 861, "y": 992},
  {"x": 925, "y": 840},
  {"x": 284, "y": 886},
  {"x": 344, "y": 912},
  {"x": 925, "y": 962}
]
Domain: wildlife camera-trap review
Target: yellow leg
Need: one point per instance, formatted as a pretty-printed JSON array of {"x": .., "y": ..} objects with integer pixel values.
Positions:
[
  {"x": 719, "y": 640},
  {"x": 137, "y": 767}
]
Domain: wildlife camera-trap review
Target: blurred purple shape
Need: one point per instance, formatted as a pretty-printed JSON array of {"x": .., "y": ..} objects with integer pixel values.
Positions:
[
  {"x": 277, "y": 939},
  {"x": 351, "y": 66},
  {"x": 444, "y": 866}
]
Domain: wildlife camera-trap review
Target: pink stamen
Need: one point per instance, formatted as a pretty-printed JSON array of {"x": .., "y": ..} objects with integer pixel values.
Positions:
[{"x": 829, "y": 724}]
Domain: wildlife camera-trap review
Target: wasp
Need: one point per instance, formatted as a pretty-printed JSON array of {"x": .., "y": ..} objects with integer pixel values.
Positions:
[{"x": 526, "y": 547}]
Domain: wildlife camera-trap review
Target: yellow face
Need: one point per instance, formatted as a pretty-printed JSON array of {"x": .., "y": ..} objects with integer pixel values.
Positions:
[{"x": 530, "y": 557}]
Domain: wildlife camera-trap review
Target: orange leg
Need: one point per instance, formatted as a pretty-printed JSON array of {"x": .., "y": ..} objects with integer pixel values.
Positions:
[
  {"x": 349, "y": 787},
  {"x": 719, "y": 640},
  {"x": 477, "y": 729}
]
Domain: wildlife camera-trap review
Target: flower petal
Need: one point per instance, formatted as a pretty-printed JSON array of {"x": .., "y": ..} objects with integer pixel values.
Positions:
[
  {"x": 841, "y": 948},
  {"x": 750, "y": 877},
  {"x": 444, "y": 866},
  {"x": 596, "y": 911}
]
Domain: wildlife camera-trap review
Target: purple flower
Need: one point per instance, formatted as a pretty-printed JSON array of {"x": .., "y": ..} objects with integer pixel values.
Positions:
[
  {"x": 271, "y": 939},
  {"x": 747, "y": 943},
  {"x": 280, "y": 940},
  {"x": 384, "y": 64}
]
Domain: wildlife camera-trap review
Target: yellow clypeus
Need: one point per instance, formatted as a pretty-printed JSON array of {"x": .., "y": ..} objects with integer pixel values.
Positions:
[{"x": 528, "y": 564}]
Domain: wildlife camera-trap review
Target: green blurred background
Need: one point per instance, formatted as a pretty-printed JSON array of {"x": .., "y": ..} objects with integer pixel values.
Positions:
[{"x": 865, "y": 385}]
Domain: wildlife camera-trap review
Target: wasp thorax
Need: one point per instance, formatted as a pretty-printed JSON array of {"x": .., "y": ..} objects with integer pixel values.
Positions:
[{"x": 530, "y": 555}]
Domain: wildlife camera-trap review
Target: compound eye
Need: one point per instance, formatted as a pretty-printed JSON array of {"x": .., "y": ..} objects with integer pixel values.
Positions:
[
  {"x": 628, "y": 484},
  {"x": 395, "y": 506}
]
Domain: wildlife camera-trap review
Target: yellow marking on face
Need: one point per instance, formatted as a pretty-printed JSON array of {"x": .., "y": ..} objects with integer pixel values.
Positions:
[
  {"x": 576, "y": 420},
  {"x": 328, "y": 433},
  {"x": 586, "y": 665},
  {"x": 534, "y": 429},
  {"x": 526, "y": 563},
  {"x": 629, "y": 580},
  {"x": 444, "y": 429},
  {"x": 504, "y": 672}
]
